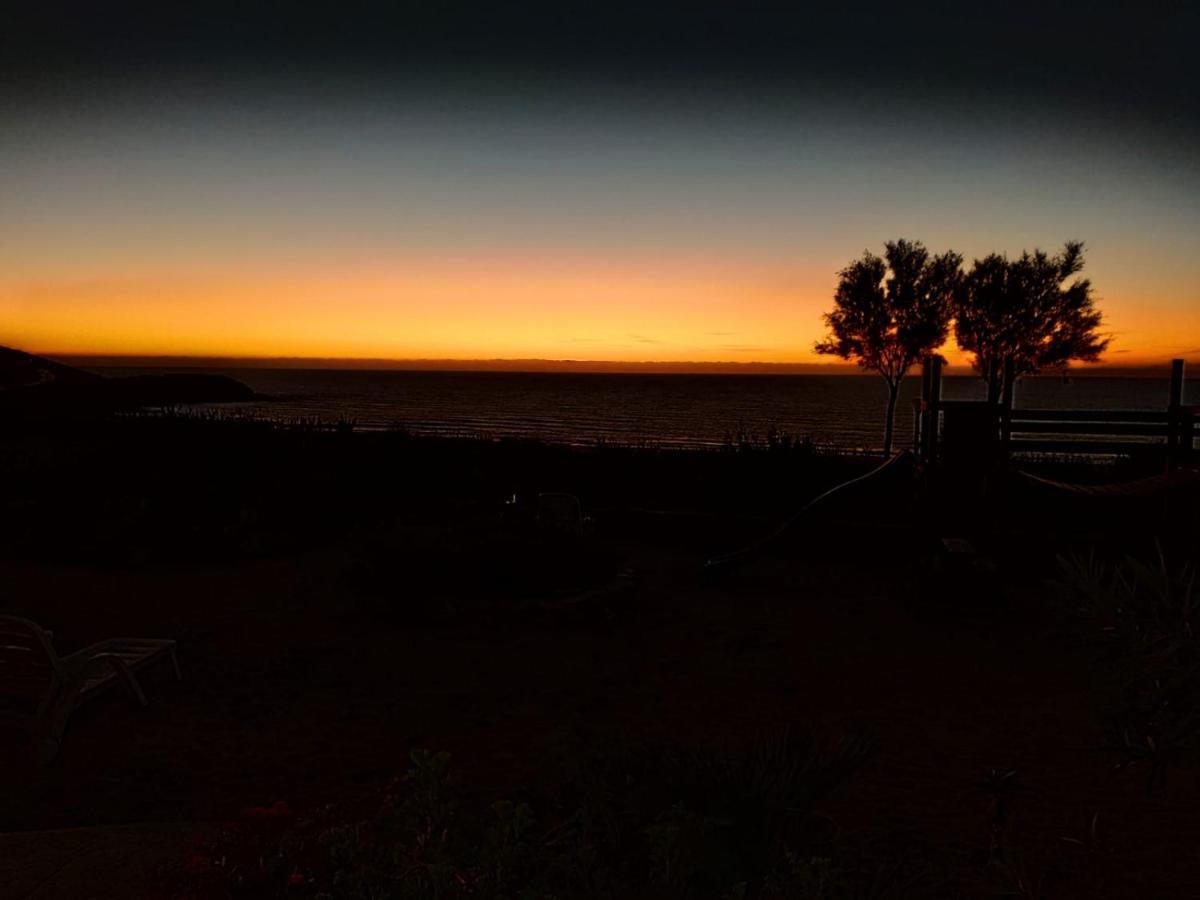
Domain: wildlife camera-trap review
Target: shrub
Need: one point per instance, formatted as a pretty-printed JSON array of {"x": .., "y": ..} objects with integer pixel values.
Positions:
[
  {"x": 657, "y": 822},
  {"x": 1145, "y": 615}
]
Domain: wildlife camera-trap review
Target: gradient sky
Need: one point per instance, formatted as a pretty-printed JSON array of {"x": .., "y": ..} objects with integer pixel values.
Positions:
[{"x": 660, "y": 187}]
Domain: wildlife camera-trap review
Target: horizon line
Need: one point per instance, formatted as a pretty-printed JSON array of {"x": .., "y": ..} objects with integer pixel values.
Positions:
[{"x": 538, "y": 365}]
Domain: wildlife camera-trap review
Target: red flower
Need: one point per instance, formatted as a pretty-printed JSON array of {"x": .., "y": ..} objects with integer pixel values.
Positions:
[{"x": 296, "y": 878}]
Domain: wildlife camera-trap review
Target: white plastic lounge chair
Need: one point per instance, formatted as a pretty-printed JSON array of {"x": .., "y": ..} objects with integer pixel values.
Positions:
[{"x": 39, "y": 689}]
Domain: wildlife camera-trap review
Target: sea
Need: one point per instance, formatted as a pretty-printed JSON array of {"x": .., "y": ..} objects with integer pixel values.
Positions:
[{"x": 663, "y": 410}]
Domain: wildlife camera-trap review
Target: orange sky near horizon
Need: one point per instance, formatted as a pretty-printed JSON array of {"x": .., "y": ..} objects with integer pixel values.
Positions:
[
  {"x": 472, "y": 309},
  {"x": 492, "y": 223}
]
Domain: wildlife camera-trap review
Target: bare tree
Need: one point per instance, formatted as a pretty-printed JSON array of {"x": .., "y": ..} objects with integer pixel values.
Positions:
[
  {"x": 888, "y": 313},
  {"x": 1018, "y": 316}
]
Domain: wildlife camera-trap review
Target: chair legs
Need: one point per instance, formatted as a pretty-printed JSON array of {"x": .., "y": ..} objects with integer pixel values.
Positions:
[
  {"x": 46, "y": 736},
  {"x": 127, "y": 677}
]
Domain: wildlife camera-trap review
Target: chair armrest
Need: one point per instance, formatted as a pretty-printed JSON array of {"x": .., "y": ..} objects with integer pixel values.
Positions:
[{"x": 123, "y": 672}]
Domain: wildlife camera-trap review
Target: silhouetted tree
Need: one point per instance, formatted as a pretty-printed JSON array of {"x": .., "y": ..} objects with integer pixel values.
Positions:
[
  {"x": 1020, "y": 312},
  {"x": 890, "y": 312}
]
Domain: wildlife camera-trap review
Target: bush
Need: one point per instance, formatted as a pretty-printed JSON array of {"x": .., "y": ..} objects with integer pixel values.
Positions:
[
  {"x": 1145, "y": 615},
  {"x": 664, "y": 822}
]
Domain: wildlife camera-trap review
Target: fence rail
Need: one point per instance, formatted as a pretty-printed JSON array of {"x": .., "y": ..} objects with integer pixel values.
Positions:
[
  {"x": 1093, "y": 416},
  {"x": 1043, "y": 426},
  {"x": 1084, "y": 448},
  {"x": 1172, "y": 431}
]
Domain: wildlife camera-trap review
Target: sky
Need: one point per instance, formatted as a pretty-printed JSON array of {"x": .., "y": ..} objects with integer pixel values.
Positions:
[{"x": 670, "y": 183}]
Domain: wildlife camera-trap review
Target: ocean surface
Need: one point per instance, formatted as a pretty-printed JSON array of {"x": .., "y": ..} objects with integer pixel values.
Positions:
[{"x": 664, "y": 410}]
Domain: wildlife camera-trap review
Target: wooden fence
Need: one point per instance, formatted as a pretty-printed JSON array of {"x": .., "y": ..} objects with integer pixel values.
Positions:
[{"x": 956, "y": 427}]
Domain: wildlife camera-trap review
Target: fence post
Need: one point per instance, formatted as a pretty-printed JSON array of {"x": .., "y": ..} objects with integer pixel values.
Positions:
[
  {"x": 923, "y": 413},
  {"x": 1176, "y": 446},
  {"x": 1006, "y": 403},
  {"x": 931, "y": 390}
]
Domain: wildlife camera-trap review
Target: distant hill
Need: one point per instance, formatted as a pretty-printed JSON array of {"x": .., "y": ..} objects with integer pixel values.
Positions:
[
  {"x": 31, "y": 386},
  {"x": 18, "y": 370}
]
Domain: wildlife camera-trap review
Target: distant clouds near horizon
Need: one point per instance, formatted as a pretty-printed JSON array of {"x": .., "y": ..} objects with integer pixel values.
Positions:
[{"x": 488, "y": 200}]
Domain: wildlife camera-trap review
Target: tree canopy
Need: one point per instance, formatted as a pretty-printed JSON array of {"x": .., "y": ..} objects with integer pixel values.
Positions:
[
  {"x": 890, "y": 312},
  {"x": 1022, "y": 311}
]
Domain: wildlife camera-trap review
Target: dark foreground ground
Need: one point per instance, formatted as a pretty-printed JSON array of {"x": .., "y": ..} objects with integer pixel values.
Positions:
[{"x": 342, "y": 600}]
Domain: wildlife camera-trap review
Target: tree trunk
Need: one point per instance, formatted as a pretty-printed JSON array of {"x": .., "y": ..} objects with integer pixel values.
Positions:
[
  {"x": 995, "y": 386},
  {"x": 890, "y": 423},
  {"x": 992, "y": 370},
  {"x": 1008, "y": 384}
]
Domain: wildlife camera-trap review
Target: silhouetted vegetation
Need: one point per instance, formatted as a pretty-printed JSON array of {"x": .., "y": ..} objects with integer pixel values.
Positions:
[
  {"x": 1145, "y": 615},
  {"x": 189, "y": 485},
  {"x": 1019, "y": 315},
  {"x": 389, "y": 591},
  {"x": 890, "y": 312},
  {"x": 656, "y": 821}
]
